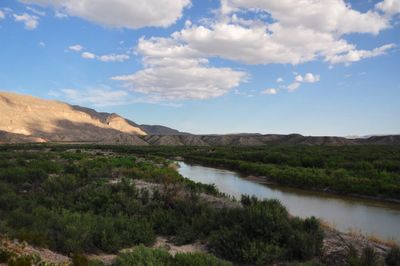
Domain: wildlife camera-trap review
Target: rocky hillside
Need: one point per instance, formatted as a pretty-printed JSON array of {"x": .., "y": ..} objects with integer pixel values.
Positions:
[
  {"x": 29, "y": 119},
  {"x": 257, "y": 139},
  {"x": 161, "y": 130},
  {"x": 26, "y": 118}
]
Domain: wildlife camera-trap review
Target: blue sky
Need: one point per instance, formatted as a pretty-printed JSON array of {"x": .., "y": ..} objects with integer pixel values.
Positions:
[{"x": 229, "y": 66}]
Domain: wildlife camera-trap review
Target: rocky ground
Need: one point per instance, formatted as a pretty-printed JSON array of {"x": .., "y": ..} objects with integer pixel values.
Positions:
[{"x": 337, "y": 244}]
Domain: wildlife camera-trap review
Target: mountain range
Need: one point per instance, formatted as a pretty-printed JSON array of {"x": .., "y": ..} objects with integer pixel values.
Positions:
[{"x": 29, "y": 119}]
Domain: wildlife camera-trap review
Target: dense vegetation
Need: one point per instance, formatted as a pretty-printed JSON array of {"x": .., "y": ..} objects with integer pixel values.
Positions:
[
  {"x": 91, "y": 201},
  {"x": 363, "y": 170}
]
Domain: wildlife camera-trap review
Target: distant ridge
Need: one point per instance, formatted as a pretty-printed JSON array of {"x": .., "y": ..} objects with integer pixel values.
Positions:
[
  {"x": 29, "y": 119},
  {"x": 161, "y": 130}
]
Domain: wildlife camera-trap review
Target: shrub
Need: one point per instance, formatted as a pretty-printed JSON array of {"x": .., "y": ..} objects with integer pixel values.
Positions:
[
  {"x": 5, "y": 255},
  {"x": 24, "y": 260},
  {"x": 369, "y": 257},
  {"x": 262, "y": 232},
  {"x": 352, "y": 257},
  {"x": 142, "y": 256},
  {"x": 393, "y": 257},
  {"x": 199, "y": 259}
]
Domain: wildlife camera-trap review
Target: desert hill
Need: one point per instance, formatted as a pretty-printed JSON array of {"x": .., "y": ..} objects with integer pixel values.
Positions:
[
  {"x": 29, "y": 119},
  {"x": 56, "y": 121}
]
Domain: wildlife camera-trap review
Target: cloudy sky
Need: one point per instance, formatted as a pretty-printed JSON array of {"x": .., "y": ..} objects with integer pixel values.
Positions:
[{"x": 315, "y": 67}]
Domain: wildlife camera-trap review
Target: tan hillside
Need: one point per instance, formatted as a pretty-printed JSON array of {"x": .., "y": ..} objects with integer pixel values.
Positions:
[
  {"x": 56, "y": 121},
  {"x": 28, "y": 119}
]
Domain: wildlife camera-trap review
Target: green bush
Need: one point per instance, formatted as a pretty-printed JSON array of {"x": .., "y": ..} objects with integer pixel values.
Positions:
[
  {"x": 198, "y": 259},
  {"x": 5, "y": 255},
  {"x": 142, "y": 256},
  {"x": 352, "y": 257},
  {"x": 369, "y": 257},
  {"x": 393, "y": 257},
  {"x": 68, "y": 205},
  {"x": 263, "y": 233},
  {"x": 24, "y": 260}
]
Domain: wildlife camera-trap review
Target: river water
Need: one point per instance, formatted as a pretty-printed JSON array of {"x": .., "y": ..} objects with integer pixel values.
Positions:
[{"x": 344, "y": 213}]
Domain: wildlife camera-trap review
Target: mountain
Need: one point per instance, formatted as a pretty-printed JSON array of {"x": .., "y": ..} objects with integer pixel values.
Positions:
[
  {"x": 30, "y": 119},
  {"x": 161, "y": 130},
  {"x": 24, "y": 117},
  {"x": 258, "y": 139},
  {"x": 245, "y": 140}
]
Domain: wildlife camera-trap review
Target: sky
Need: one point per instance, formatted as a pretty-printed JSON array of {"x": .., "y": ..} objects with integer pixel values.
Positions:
[{"x": 313, "y": 67}]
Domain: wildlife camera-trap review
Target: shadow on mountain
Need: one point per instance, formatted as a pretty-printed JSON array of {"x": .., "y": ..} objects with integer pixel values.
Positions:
[{"x": 67, "y": 131}]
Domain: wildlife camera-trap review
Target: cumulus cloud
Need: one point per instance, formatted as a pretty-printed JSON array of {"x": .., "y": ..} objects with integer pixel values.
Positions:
[
  {"x": 175, "y": 72},
  {"x": 120, "y": 13},
  {"x": 270, "y": 91},
  {"x": 102, "y": 96},
  {"x": 279, "y": 80},
  {"x": 390, "y": 7},
  {"x": 30, "y": 21},
  {"x": 322, "y": 16},
  {"x": 308, "y": 78},
  {"x": 298, "y": 31},
  {"x": 2, "y": 15},
  {"x": 175, "y": 82},
  {"x": 76, "y": 48},
  {"x": 88, "y": 55}
]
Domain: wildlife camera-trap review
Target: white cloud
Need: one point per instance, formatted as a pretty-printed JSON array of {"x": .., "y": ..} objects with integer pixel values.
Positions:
[
  {"x": 103, "y": 96},
  {"x": 2, "y": 15},
  {"x": 390, "y": 7},
  {"x": 103, "y": 58},
  {"x": 270, "y": 91},
  {"x": 120, "y": 13},
  {"x": 60, "y": 15},
  {"x": 300, "y": 31},
  {"x": 176, "y": 82},
  {"x": 30, "y": 21},
  {"x": 76, "y": 48},
  {"x": 42, "y": 44},
  {"x": 299, "y": 78},
  {"x": 293, "y": 86},
  {"x": 175, "y": 72},
  {"x": 264, "y": 43},
  {"x": 334, "y": 16},
  {"x": 357, "y": 55},
  {"x": 279, "y": 80},
  {"x": 113, "y": 58},
  {"x": 308, "y": 78},
  {"x": 35, "y": 11},
  {"x": 88, "y": 55}
]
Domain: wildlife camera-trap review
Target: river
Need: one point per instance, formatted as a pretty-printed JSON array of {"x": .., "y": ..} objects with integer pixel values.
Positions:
[{"x": 368, "y": 217}]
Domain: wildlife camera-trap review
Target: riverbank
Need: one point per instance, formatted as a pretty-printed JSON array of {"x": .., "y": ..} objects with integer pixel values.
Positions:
[
  {"x": 269, "y": 181},
  {"x": 262, "y": 179},
  {"x": 345, "y": 213}
]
